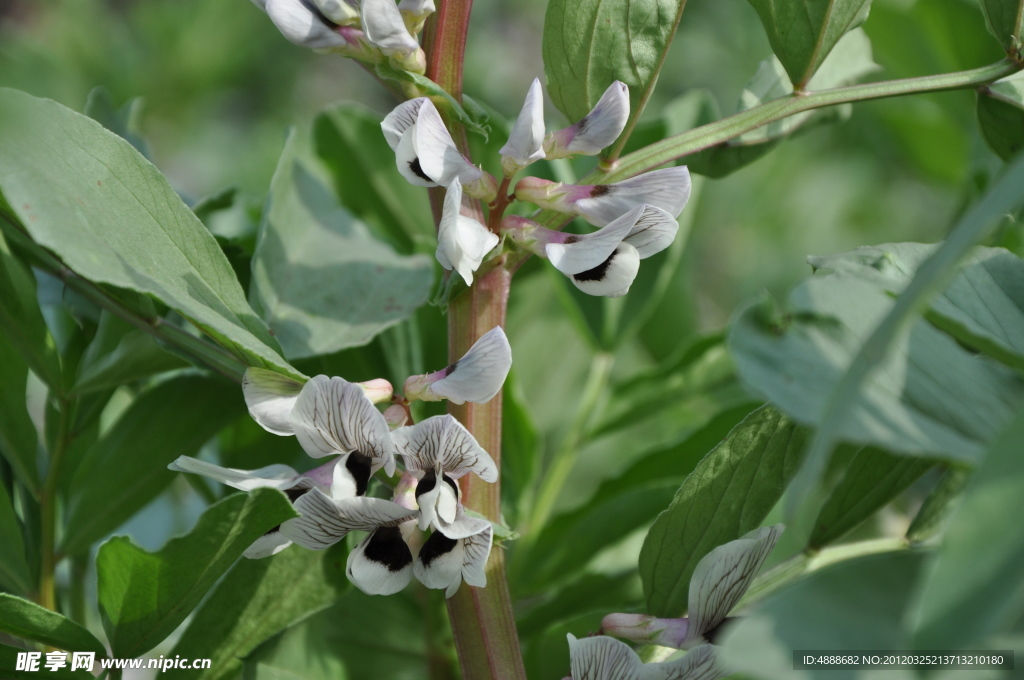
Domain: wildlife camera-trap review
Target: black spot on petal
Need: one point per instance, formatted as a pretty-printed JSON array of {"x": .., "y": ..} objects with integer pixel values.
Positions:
[
  {"x": 426, "y": 484},
  {"x": 451, "y": 369},
  {"x": 414, "y": 165},
  {"x": 599, "y": 190},
  {"x": 387, "y": 547},
  {"x": 437, "y": 545},
  {"x": 715, "y": 633},
  {"x": 597, "y": 273},
  {"x": 295, "y": 493},
  {"x": 572, "y": 238},
  {"x": 359, "y": 467}
]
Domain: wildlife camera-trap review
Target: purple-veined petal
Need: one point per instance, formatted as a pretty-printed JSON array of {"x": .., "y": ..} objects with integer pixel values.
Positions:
[
  {"x": 401, "y": 118},
  {"x": 443, "y": 439},
  {"x": 333, "y": 416},
  {"x": 266, "y": 545},
  {"x": 325, "y": 522},
  {"x": 479, "y": 375},
  {"x": 302, "y": 25},
  {"x": 385, "y": 28},
  {"x": 270, "y": 397},
  {"x": 526, "y": 141},
  {"x": 381, "y": 564},
  {"x": 613, "y": 277},
  {"x": 603, "y": 658},
  {"x": 597, "y": 129},
  {"x": 668, "y": 189},
  {"x": 653, "y": 232},
  {"x": 462, "y": 242},
  {"x": 583, "y": 252}
]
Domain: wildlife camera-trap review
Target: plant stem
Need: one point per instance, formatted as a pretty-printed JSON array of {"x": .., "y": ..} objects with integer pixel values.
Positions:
[
  {"x": 48, "y": 509},
  {"x": 564, "y": 459}
]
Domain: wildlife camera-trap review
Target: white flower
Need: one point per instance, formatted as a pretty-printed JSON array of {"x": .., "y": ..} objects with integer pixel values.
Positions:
[
  {"x": 476, "y": 377},
  {"x": 605, "y": 658},
  {"x": 526, "y": 141},
  {"x": 597, "y": 129},
  {"x": 280, "y": 477},
  {"x": 599, "y": 204},
  {"x": 382, "y": 562},
  {"x": 718, "y": 582},
  {"x": 328, "y": 415},
  {"x": 444, "y": 562},
  {"x": 462, "y": 242},
  {"x": 425, "y": 152}
]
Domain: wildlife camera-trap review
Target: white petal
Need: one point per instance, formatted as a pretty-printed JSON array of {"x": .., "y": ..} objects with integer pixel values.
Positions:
[
  {"x": 278, "y": 477},
  {"x": 401, "y": 118},
  {"x": 301, "y": 25},
  {"x": 613, "y": 277},
  {"x": 385, "y": 28},
  {"x": 443, "y": 439},
  {"x": 325, "y": 522},
  {"x": 334, "y": 416},
  {"x": 439, "y": 562},
  {"x": 583, "y": 252},
  {"x": 476, "y": 550},
  {"x": 270, "y": 397},
  {"x": 526, "y": 141},
  {"x": 700, "y": 663},
  {"x": 724, "y": 574},
  {"x": 408, "y": 161},
  {"x": 438, "y": 156},
  {"x": 351, "y": 476},
  {"x": 603, "y": 658},
  {"x": 480, "y": 373},
  {"x": 341, "y": 12},
  {"x": 381, "y": 564},
  {"x": 600, "y": 127},
  {"x": 668, "y": 189},
  {"x": 462, "y": 242},
  {"x": 463, "y": 526},
  {"x": 653, "y": 232},
  {"x": 419, "y": 8},
  {"x": 266, "y": 545}
]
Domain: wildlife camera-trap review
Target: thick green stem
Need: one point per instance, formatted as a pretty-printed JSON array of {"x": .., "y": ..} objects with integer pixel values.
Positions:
[{"x": 48, "y": 509}]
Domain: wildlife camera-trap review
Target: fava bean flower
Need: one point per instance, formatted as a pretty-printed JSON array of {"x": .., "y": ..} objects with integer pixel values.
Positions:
[{"x": 476, "y": 377}]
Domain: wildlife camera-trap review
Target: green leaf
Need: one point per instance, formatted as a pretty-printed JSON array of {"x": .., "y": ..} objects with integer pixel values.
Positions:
[
  {"x": 975, "y": 586},
  {"x": 858, "y": 604},
  {"x": 520, "y": 444},
  {"x": 802, "y": 33},
  {"x": 729, "y": 493},
  {"x": 127, "y": 467},
  {"x": 256, "y": 600},
  {"x": 349, "y": 141},
  {"x": 983, "y": 306},
  {"x": 21, "y": 319},
  {"x": 9, "y": 661},
  {"x": 144, "y": 596},
  {"x": 14, "y": 571},
  {"x": 1005, "y": 20},
  {"x": 589, "y": 44},
  {"x": 322, "y": 281},
  {"x": 929, "y": 396},
  {"x": 18, "y": 441},
  {"x": 136, "y": 356},
  {"x": 87, "y": 195},
  {"x": 873, "y": 479},
  {"x": 939, "y": 505},
  {"x": 1001, "y": 115},
  {"x": 30, "y": 621}
]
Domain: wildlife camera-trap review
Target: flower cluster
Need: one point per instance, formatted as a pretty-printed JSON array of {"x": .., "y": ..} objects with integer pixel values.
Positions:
[
  {"x": 718, "y": 582},
  {"x": 636, "y": 217},
  {"x": 424, "y": 530},
  {"x": 372, "y": 31}
]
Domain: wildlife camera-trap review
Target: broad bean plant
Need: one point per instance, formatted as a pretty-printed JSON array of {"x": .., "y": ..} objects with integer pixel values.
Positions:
[{"x": 330, "y": 406}]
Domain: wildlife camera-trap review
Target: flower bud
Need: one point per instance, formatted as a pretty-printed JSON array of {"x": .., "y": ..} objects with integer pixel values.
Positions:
[{"x": 645, "y": 629}]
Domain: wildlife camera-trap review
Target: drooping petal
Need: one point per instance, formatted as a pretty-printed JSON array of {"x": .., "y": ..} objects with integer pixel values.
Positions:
[
  {"x": 479, "y": 375},
  {"x": 724, "y": 574},
  {"x": 462, "y": 242},
  {"x": 303, "y": 24},
  {"x": 334, "y": 416},
  {"x": 613, "y": 277},
  {"x": 270, "y": 397},
  {"x": 443, "y": 439},
  {"x": 526, "y": 141},
  {"x": 438, "y": 156},
  {"x": 444, "y": 563},
  {"x": 325, "y": 522},
  {"x": 278, "y": 477},
  {"x": 401, "y": 118},
  {"x": 266, "y": 545},
  {"x": 381, "y": 564},
  {"x": 437, "y": 496},
  {"x": 597, "y": 129},
  {"x": 583, "y": 252},
  {"x": 384, "y": 27},
  {"x": 653, "y": 232},
  {"x": 668, "y": 189}
]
